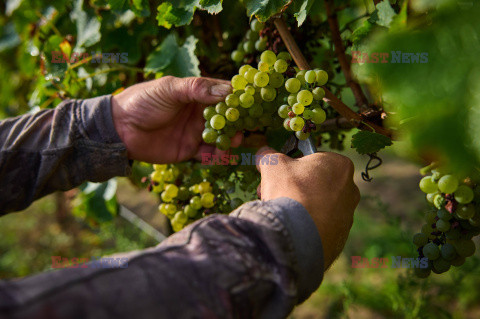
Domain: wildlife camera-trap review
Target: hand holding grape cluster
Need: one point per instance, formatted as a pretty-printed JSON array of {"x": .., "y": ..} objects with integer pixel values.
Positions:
[
  {"x": 446, "y": 238},
  {"x": 262, "y": 98}
]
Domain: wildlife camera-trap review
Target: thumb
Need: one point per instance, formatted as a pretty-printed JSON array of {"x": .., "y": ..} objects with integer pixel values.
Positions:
[{"x": 201, "y": 90}]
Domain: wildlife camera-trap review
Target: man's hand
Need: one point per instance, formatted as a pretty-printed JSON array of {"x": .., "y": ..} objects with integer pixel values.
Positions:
[
  {"x": 323, "y": 184},
  {"x": 161, "y": 121}
]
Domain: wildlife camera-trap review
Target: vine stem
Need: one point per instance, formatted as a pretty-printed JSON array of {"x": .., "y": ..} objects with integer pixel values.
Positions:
[
  {"x": 336, "y": 103},
  {"x": 360, "y": 97}
]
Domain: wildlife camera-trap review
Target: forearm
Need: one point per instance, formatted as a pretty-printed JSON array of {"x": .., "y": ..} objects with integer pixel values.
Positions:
[
  {"x": 58, "y": 149},
  {"x": 256, "y": 263}
]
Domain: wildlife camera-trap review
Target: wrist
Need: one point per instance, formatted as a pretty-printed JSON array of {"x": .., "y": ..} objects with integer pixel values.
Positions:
[{"x": 120, "y": 121}]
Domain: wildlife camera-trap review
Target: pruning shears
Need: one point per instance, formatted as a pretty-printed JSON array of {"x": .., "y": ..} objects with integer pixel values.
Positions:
[{"x": 293, "y": 144}]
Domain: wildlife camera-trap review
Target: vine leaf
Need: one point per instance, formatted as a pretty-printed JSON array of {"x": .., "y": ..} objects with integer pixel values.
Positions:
[
  {"x": 265, "y": 9},
  {"x": 180, "y": 12},
  {"x": 97, "y": 201},
  {"x": 88, "y": 28},
  {"x": 212, "y": 6},
  {"x": 169, "y": 15},
  {"x": 301, "y": 9},
  {"x": 366, "y": 142},
  {"x": 385, "y": 13},
  {"x": 172, "y": 59}
]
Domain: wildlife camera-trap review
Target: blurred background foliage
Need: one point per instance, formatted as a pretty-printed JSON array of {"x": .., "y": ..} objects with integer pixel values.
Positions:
[{"x": 435, "y": 106}]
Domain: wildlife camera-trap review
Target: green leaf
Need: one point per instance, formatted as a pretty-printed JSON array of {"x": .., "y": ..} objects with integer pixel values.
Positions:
[
  {"x": 88, "y": 28},
  {"x": 301, "y": 9},
  {"x": 99, "y": 200},
  {"x": 385, "y": 13},
  {"x": 169, "y": 14},
  {"x": 212, "y": 6},
  {"x": 400, "y": 20},
  {"x": 435, "y": 102},
  {"x": 265, "y": 9},
  {"x": 173, "y": 59},
  {"x": 118, "y": 4},
  {"x": 141, "y": 8},
  {"x": 366, "y": 142},
  {"x": 361, "y": 32}
]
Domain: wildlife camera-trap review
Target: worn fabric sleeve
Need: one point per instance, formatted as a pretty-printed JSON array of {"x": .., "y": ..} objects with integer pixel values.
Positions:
[
  {"x": 58, "y": 149},
  {"x": 258, "y": 262}
]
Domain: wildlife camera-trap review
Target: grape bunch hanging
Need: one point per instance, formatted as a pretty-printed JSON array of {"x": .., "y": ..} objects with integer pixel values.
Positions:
[
  {"x": 452, "y": 222},
  {"x": 266, "y": 97}
]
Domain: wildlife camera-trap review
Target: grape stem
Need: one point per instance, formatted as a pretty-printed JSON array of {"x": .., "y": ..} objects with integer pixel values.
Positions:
[
  {"x": 360, "y": 97},
  {"x": 297, "y": 55}
]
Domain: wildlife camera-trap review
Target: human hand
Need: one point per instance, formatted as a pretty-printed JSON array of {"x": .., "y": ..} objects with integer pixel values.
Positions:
[
  {"x": 161, "y": 121},
  {"x": 323, "y": 184}
]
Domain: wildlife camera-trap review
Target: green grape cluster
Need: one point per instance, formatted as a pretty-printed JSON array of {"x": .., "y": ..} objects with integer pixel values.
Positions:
[
  {"x": 251, "y": 43},
  {"x": 181, "y": 204},
  {"x": 262, "y": 98},
  {"x": 190, "y": 191},
  {"x": 303, "y": 111},
  {"x": 454, "y": 219},
  {"x": 252, "y": 104}
]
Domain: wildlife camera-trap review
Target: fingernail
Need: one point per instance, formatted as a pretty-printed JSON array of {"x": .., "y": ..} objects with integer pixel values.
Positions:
[{"x": 220, "y": 90}]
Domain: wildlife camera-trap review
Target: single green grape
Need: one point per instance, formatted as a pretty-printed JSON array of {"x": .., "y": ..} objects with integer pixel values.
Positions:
[
  {"x": 183, "y": 193},
  {"x": 207, "y": 200},
  {"x": 230, "y": 130},
  {"x": 209, "y": 135},
  {"x": 261, "y": 79},
  {"x": 263, "y": 67},
  {"x": 431, "y": 251},
  {"x": 221, "y": 108},
  {"x": 448, "y": 252},
  {"x": 268, "y": 94},
  {"x": 251, "y": 35},
  {"x": 209, "y": 112},
  {"x": 420, "y": 239},
  {"x": 293, "y": 85},
  {"x": 308, "y": 114},
  {"x": 246, "y": 100},
  {"x": 443, "y": 225},
  {"x": 165, "y": 197},
  {"x": 297, "y": 123},
  {"x": 181, "y": 217},
  {"x": 171, "y": 190},
  {"x": 249, "y": 46},
  {"x": 217, "y": 122},
  {"x": 441, "y": 265},
  {"x": 448, "y": 184},
  {"x": 284, "y": 56},
  {"x": 261, "y": 44},
  {"x": 318, "y": 93},
  {"x": 256, "y": 26},
  {"x": 283, "y": 111},
  {"x": 190, "y": 211},
  {"x": 286, "y": 124},
  {"x": 310, "y": 76},
  {"x": 322, "y": 77},
  {"x": 298, "y": 108},
  {"x": 237, "y": 56},
  {"x": 464, "y": 194},
  {"x": 268, "y": 57},
  {"x": 249, "y": 123},
  {"x": 466, "y": 211},
  {"x": 427, "y": 185},
  {"x": 302, "y": 136},
  {"x": 444, "y": 214},
  {"x": 301, "y": 76},
  {"x": 250, "y": 74},
  {"x": 318, "y": 115},
  {"x": 223, "y": 142},
  {"x": 232, "y": 114},
  {"x": 280, "y": 65},
  {"x": 305, "y": 97},
  {"x": 292, "y": 99},
  {"x": 465, "y": 247},
  {"x": 232, "y": 100},
  {"x": 239, "y": 82},
  {"x": 276, "y": 80}
]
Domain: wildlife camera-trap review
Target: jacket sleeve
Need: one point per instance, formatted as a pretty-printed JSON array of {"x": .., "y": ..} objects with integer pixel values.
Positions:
[
  {"x": 258, "y": 262},
  {"x": 58, "y": 149}
]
